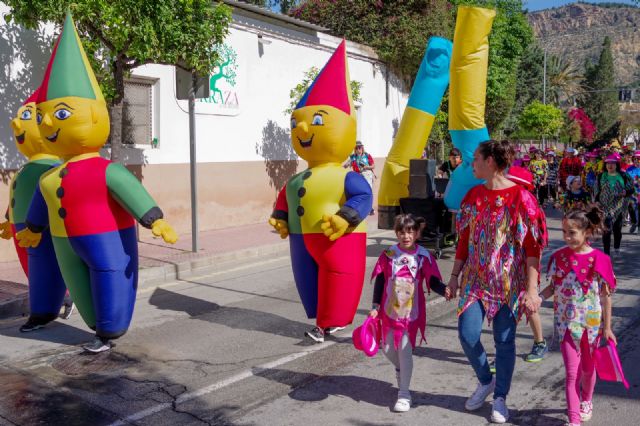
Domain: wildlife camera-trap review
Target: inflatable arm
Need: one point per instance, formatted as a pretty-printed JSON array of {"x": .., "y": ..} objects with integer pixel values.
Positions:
[
  {"x": 417, "y": 120},
  {"x": 467, "y": 93}
]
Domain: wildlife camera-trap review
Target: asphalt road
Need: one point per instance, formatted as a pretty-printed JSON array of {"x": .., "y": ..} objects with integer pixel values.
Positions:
[{"x": 228, "y": 348}]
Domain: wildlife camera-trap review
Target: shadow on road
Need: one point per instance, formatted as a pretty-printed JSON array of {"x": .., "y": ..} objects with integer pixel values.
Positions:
[{"x": 232, "y": 317}]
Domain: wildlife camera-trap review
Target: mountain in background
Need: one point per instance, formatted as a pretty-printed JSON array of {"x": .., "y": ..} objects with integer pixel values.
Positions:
[{"x": 576, "y": 32}]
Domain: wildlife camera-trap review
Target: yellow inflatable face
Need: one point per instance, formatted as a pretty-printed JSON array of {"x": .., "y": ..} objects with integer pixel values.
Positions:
[
  {"x": 72, "y": 126},
  {"x": 322, "y": 134},
  {"x": 25, "y": 130}
]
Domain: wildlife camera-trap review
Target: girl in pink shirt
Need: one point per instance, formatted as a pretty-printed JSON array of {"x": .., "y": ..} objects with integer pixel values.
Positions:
[
  {"x": 399, "y": 301},
  {"x": 582, "y": 280}
]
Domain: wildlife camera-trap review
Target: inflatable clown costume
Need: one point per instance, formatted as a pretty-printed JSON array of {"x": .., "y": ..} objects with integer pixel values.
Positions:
[{"x": 322, "y": 209}]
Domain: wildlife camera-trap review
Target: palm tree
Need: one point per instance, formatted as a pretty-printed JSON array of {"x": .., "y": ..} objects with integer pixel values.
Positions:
[{"x": 564, "y": 81}]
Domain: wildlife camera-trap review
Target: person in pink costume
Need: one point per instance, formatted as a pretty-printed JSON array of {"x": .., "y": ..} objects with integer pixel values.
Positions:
[
  {"x": 581, "y": 279},
  {"x": 399, "y": 302}
]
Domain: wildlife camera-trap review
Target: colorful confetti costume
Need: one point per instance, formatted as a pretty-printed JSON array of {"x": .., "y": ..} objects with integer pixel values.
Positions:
[
  {"x": 499, "y": 230},
  {"x": 402, "y": 309},
  {"x": 329, "y": 274},
  {"x": 46, "y": 286},
  {"x": 578, "y": 279}
]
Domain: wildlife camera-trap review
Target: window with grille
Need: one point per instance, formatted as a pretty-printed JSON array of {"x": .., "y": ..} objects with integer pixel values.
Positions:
[{"x": 137, "y": 113}]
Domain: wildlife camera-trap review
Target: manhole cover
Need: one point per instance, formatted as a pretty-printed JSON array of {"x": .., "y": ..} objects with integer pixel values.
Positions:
[{"x": 83, "y": 363}]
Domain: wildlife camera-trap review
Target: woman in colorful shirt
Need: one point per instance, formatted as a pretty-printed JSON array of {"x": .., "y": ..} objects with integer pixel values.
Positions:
[
  {"x": 497, "y": 265},
  {"x": 582, "y": 280},
  {"x": 611, "y": 191},
  {"x": 399, "y": 302}
]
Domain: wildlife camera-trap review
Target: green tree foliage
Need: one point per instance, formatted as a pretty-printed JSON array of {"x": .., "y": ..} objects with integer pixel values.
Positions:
[
  {"x": 564, "y": 81},
  {"x": 297, "y": 92},
  {"x": 397, "y": 30},
  {"x": 529, "y": 85},
  {"x": 540, "y": 121},
  {"x": 601, "y": 98},
  {"x": 120, "y": 35}
]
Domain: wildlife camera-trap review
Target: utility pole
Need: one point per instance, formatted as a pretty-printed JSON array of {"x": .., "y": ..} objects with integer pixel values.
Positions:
[{"x": 193, "y": 163}]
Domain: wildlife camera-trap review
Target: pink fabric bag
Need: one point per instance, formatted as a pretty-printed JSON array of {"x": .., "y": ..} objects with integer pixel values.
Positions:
[
  {"x": 366, "y": 338},
  {"x": 608, "y": 364}
]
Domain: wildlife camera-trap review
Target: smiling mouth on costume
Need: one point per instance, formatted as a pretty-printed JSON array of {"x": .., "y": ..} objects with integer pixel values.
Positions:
[
  {"x": 307, "y": 143},
  {"x": 20, "y": 138},
  {"x": 54, "y": 136}
]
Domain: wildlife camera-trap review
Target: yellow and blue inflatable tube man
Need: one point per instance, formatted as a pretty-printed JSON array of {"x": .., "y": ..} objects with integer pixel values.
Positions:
[
  {"x": 417, "y": 121},
  {"x": 467, "y": 93}
]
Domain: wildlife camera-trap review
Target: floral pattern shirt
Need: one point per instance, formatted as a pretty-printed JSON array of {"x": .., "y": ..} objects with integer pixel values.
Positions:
[
  {"x": 577, "y": 281},
  {"x": 497, "y": 223}
]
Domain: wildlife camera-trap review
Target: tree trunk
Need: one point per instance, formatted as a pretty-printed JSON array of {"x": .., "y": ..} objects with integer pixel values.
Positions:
[
  {"x": 116, "y": 110},
  {"x": 116, "y": 132}
]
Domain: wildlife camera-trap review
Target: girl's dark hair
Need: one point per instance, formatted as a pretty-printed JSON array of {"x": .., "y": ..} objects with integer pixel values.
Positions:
[
  {"x": 501, "y": 151},
  {"x": 588, "y": 220},
  {"x": 408, "y": 221}
]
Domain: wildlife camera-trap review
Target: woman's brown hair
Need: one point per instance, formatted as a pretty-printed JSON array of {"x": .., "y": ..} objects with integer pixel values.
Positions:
[{"x": 501, "y": 151}]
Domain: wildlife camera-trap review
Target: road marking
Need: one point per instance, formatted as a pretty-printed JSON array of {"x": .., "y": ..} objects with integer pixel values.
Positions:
[{"x": 218, "y": 385}]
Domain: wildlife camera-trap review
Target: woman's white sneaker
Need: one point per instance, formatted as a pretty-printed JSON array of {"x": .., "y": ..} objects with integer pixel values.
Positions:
[
  {"x": 478, "y": 396},
  {"x": 499, "y": 412}
]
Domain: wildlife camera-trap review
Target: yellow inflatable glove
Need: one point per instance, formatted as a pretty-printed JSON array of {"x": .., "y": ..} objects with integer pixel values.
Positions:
[
  {"x": 281, "y": 226},
  {"x": 161, "y": 228},
  {"x": 5, "y": 230},
  {"x": 27, "y": 238},
  {"x": 334, "y": 226}
]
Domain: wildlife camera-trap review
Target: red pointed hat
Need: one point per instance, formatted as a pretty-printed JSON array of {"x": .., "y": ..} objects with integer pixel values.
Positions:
[
  {"x": 32, "y": 98},
  {"x": 332, "y": 85}
]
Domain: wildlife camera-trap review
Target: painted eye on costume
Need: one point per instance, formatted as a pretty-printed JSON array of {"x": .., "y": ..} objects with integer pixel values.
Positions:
[
  {"x": 62, "y": 114},
  {"x": 26, "y": 115},
  {"x": 317, "y": 120},
  {"x": 39, "y": 118},
  {"x": 294, "y": 123}
]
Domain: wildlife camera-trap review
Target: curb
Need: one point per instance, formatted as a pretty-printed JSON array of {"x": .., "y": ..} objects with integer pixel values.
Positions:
[{"x": 154, "y": 276}]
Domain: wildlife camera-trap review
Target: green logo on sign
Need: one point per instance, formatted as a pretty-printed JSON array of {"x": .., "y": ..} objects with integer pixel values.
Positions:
[{"x": 224, "y": 71}]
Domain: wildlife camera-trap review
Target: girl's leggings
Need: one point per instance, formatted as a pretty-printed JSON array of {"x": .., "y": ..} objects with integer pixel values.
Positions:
[
  {"x": 580, "y": 370},
  {"x": 402, "y": 359}
]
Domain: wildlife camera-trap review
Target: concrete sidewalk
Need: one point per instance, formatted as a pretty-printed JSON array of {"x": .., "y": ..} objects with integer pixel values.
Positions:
[{"x": 161, "y": 263}]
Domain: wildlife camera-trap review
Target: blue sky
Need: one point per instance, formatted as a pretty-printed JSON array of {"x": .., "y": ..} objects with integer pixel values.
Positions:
[{"x": 545, "y": 4}]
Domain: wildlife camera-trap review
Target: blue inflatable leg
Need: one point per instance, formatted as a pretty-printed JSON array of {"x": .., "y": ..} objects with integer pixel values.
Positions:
[
  {"x": 46, "y": 286},
  {"x": 112, "y": 258}
]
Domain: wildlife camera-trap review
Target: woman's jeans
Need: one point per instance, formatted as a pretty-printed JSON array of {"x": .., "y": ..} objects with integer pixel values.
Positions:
[
  {"x": 504, "y": 336},
  {"x": 614, "y": 226}
]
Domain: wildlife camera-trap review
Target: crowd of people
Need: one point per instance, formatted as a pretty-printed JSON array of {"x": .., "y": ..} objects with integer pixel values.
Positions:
[{"x": 582, "y": 179}]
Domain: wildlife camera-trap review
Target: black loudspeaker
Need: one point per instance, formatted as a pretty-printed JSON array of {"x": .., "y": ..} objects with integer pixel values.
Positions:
[
  {"x": 387, "y": 216},
  {"x": 421, "y": 174}
]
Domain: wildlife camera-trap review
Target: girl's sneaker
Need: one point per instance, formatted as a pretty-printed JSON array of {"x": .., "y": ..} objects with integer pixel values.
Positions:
[
  {"x": 586, "y": 410},
  {"x": 316, "y": 334},
  {"x": 402, "y": 405}
]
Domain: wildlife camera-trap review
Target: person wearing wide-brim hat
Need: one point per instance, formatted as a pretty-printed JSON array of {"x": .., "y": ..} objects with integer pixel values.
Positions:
[
  {"x": 612, "y": 188},
  {"x": 592, "y": 168}
]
